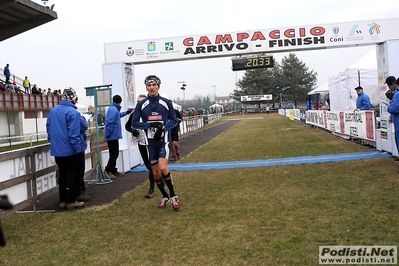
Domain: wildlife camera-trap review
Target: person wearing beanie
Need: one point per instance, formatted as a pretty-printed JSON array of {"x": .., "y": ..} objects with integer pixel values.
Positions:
[
  {"x": 63, "y": 132},
  {"x": 156, "y": 117},
  {"x": 112, "y": 134}
]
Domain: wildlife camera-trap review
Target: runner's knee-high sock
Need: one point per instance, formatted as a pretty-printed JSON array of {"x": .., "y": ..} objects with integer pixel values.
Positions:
[
  {"x": 161, "y": 186},
  {"x": 169, "y": 183},
  {"x": 152, "y": 180}
]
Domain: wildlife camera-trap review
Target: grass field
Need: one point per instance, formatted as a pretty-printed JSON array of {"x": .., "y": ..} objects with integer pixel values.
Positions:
[{"x": 256, "y": 216}]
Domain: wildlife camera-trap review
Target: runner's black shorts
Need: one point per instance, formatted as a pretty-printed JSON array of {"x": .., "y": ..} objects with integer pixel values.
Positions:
[{"x": 175, "y": 135}]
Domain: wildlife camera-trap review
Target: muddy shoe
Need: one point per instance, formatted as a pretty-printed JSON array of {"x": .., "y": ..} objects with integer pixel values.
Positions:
[
  {"x": 62, "y": 205},
  {"x": 110, "y": 175},
  {"x": 150, "y": 194},
  {"x": 83, "y": 197},
  {"x": 119, "y": 174},
  {"x": 76, "y": 204}
]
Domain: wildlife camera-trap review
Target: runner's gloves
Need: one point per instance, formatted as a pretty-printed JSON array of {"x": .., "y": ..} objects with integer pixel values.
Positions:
[{"x": 159, "y": 129}]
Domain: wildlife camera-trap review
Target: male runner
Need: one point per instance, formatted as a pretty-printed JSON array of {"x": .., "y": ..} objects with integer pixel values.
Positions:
[{"x": 156, "y": 116}]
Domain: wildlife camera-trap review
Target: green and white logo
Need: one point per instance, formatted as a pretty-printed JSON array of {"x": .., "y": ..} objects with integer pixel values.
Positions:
[{"x": 169, "y": 46}]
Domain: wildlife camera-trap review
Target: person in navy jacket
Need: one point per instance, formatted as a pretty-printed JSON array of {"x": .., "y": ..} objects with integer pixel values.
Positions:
[
  {"x": 156, "y": 116},
  {"x": 63, "y": 133},
  {"x": 112, "y": 134}
]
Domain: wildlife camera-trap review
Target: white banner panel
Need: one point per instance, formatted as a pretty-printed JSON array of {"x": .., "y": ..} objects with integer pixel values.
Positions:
[
  {"x": 317, "y": 36},
  {"x": 249, "y": 98},
  {"x": 355, "y": 124}
]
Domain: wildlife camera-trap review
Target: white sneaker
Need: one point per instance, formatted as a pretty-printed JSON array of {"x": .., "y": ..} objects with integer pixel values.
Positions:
[
  {"x": 163, "y": 202},
  {"x": 175, "y": 203}
]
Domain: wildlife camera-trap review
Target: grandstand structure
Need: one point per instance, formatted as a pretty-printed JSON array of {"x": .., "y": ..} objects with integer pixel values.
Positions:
[{"x": 25, "y": 114}]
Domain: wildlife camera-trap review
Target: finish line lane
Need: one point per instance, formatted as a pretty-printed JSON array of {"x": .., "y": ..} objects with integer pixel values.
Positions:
[{"x": 272, "y": 162}]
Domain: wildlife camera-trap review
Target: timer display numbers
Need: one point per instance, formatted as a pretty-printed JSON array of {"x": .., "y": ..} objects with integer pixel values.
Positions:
[{"x": 245, "y": 63}]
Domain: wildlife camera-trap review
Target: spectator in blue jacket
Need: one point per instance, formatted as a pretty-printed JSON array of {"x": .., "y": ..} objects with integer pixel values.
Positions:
[
  {"x": 393, "y": 109},
  {"x": 112, "y": 134},
  {"x": 7, "y": 72},
  {"x": 363, "y": 100},
  {"x": 63, "y": 133}
]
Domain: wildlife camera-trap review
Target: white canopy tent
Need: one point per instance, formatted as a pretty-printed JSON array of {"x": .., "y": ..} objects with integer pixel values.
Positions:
[
  {"x": 82, "y": 108},
  {"x": 342, "y": 84},
  {"x": 323, "y": 88},
  {"x": 217, "y": 107},
  {"x": 175, "y": 105}
]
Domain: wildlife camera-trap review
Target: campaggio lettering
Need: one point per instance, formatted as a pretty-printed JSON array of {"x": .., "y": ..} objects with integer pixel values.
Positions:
[{"x": 241, "y": 41}]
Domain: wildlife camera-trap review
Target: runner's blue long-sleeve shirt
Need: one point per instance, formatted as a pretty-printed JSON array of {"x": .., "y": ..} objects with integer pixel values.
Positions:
[{"x": 154, "y": 109}]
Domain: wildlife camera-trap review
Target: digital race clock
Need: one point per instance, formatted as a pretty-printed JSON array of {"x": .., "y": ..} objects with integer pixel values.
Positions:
[{"x": 245, "y": 63}]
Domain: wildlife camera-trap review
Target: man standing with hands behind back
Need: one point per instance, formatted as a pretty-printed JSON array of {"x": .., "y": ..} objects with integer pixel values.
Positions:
[
  {"x": 156, "y": 116},
  {"x": 63, "y": 133},
  {"x": 112, "y": 134}
]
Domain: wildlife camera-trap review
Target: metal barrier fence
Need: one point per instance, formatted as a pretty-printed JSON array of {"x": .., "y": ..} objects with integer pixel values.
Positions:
[{"x": 30, "y": 174}]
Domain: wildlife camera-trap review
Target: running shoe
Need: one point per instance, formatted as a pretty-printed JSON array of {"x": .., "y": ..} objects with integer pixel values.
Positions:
[
  {"x": 150, "y": 194},
  {"x": 163, "y": 202},
  {"x": 175, "y": 203}
]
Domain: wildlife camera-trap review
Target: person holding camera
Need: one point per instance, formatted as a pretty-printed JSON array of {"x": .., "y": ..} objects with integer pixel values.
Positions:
[{"x": 155, "y": 115}]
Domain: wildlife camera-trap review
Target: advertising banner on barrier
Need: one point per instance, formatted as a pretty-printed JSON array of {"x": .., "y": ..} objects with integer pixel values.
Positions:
[{"x": 355, "y": 124}]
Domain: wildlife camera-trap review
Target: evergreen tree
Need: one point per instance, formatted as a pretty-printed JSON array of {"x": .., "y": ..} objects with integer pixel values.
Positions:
[
  {"x": 291, "y": 80},
  {"x": 296, "y": 80}
]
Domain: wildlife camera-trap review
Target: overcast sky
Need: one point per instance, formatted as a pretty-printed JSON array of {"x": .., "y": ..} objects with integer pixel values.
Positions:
[{"x": 69, "y": 51}]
